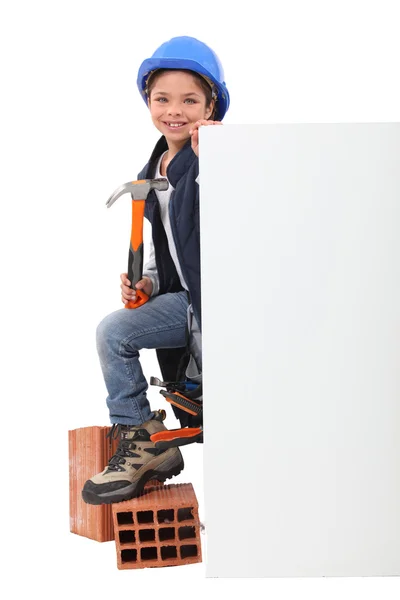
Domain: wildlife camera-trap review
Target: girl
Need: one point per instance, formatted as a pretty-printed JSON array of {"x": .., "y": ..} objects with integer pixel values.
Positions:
[{"x": 183, "y": 86}]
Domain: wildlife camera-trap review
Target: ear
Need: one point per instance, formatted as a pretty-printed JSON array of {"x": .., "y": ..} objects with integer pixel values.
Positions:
[{"x": 210, "y": 109}]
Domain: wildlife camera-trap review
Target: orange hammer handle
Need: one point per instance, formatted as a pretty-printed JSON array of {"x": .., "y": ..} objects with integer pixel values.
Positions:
[{"x": 135, "y": 258}]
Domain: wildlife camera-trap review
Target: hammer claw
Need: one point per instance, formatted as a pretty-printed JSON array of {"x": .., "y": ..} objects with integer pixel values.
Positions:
[
  {"x": 138, "y": 189},
  {"x": 123, "y": 189}
]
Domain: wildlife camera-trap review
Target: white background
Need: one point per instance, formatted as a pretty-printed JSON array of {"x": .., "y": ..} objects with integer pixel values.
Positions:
[{"x": 73, "y": 128}]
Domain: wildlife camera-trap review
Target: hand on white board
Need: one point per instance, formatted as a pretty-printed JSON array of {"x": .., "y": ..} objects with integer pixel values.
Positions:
[{"x": 194, "y": 132}]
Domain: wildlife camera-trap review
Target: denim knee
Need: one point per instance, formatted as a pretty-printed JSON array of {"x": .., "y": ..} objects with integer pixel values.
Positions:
[
  {"x": 103, "y": 332},
  {"x": 108, "y": 335},
  {"x": 112, "y": 331}
]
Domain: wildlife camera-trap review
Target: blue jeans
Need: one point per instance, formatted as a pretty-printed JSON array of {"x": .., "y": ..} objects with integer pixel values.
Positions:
[{"x": 160, "y": 323}]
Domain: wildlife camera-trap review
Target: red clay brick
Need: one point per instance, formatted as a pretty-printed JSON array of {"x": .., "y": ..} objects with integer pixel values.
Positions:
[
  {"x": 158, "y": 529},
  {"x": 89, "y": 453}
]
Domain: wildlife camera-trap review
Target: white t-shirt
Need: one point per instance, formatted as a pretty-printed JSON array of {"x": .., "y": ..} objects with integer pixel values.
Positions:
[{"x": 150, "y": 268}]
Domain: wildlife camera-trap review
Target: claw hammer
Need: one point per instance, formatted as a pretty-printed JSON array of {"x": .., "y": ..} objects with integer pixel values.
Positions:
[{"x": 139, "y": 191}]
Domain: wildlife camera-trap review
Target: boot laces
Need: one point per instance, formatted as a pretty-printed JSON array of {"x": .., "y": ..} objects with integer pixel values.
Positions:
[{"x": 125, "y": 446}]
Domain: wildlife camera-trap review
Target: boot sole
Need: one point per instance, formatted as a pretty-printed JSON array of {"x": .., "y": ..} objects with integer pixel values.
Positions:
[{"x": 133, "y": 490}]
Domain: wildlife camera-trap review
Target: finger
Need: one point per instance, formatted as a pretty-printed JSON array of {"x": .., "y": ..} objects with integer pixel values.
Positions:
[
  {"x": 196, "y": 125},
  {"x": 127, "y": 287},
  {"x": 195, "y": 139},
  {"x": 201, "y": 122},
  {"x": 125, "y": 281},
  {"x": 128, "y": 292},
  {"x": 140, "y": 284},
  {"x": 129, "y": 298},
  {"x": 126, "y": 299}
]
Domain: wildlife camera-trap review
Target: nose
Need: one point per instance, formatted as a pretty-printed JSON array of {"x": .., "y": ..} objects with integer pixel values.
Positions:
[{"x": 174, "y": 108}]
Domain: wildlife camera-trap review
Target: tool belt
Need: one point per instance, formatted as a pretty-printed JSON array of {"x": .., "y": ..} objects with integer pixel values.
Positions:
[{"x": 187, "y": 396}]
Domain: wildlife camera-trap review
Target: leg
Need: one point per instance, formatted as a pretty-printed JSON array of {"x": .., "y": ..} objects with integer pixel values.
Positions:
[{"x": 160, "y": 323}]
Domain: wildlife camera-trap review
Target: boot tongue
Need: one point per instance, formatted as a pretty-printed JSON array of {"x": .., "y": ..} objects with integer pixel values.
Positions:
[
  {"x": 137, "y": 432},
  {"x": 141, "y": 433},
  {"x": 153, "y": 426},
  {"x": 128, "y": 432}
]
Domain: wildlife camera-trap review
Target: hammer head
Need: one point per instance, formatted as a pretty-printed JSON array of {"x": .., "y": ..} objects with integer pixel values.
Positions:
[{"x": 138, "y": 189}]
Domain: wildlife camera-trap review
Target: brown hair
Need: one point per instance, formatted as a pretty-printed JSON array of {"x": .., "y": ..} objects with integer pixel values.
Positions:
[{"x": 206, "y": 85}]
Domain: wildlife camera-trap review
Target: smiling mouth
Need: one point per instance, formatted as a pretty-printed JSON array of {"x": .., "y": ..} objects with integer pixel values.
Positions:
[{"x": 174, "y": 125}]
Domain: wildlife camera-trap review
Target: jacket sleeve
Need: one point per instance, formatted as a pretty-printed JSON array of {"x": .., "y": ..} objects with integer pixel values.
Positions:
[{"x": 150, "y": 270}]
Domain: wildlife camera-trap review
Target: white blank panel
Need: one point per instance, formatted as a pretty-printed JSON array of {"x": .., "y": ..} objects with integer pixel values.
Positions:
[{"x": 300, "y": 245}]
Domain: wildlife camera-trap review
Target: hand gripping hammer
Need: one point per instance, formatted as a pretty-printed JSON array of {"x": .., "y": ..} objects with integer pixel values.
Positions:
[{"x": 139, "y": 191}]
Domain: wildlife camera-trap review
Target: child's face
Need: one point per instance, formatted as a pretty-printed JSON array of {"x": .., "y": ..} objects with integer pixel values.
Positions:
[{"x": 177, "y": 98}]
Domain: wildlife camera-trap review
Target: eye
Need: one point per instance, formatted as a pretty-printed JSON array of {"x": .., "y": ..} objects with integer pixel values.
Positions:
[
  {"x": 160, "y": 99},
  {"x": 190, "y": 100}
]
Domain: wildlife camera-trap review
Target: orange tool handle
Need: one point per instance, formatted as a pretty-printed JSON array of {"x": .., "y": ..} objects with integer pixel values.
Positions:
[
  {"x": 177, "y": 437},
  {"x": 135, "y": 258},
  {"x": 173, "y": 434}
]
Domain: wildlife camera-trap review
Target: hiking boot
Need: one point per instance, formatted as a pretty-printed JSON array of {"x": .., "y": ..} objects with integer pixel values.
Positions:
[{"x": 136, "y": 461}]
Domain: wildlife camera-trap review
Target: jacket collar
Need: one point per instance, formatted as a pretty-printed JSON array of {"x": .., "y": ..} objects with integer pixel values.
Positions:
[
  {"x": 178, "y": 165},
  {"x": 181, "y": 163}
]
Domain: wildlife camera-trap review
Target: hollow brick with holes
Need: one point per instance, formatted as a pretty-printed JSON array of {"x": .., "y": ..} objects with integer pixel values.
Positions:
[{"x": 159, "y": 528}]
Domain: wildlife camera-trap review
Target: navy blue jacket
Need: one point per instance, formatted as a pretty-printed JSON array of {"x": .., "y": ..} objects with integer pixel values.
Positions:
[{"x": 184, "y": 217}]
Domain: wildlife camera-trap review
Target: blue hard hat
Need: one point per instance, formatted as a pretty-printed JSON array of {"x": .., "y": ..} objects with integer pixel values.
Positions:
[{"x": 187, "y": 53}]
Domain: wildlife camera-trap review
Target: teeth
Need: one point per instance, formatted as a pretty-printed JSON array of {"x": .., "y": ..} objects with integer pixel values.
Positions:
[{"x": 175, "y": 124}]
